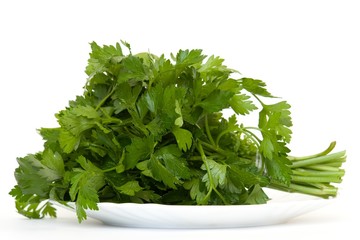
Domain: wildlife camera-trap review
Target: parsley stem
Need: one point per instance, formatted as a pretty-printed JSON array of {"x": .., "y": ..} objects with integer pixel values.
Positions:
[
  {"x": 315, "y": 179},
  {"x": 326, "y": 192},
  {"x": 195, "y": 158},
  {"x": 203, "y": 157},
  {"x": 254, "y": 128},
  {"x": 313, "y": 173},
  {"x": 208, "y": 133},
  {"x": 257, "y": 98},
  {"x": 106, "y": 97},
  {"x": 211, "y": 180},
  {"x": 109, "y": 169},
  {"x": 339, "y": 156},
  {"x": 214, "y": 148},
  {"x": 219, "y": 136},
  {"x": 325, "y": 152},
  {"x": 322, "y": 168},
  {"x": 253, "y": 137}
]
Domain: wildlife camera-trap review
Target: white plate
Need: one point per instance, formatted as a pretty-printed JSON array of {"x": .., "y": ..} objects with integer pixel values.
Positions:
[{"x": 281, "y": 208}]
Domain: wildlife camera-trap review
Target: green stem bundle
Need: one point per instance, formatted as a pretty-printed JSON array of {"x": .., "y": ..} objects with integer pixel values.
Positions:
[{"x": 315, "y": 174}]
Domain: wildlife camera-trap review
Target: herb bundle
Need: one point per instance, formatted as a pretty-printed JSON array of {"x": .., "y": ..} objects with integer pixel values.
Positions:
[{"x": 149, "y": 129}]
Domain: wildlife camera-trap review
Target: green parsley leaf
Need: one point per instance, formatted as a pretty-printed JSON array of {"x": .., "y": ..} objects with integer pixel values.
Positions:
[
  {"x": 183, "y": 138},
  {"x": 217, "y": 171},
  {"x": 130, "y": 188},
  {"x": 161, "y": 173},
  {"x": 241, "y": 104},
  {"x": 139, "y": 149}
]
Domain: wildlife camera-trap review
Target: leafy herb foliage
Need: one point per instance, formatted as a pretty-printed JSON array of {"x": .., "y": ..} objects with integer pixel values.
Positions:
[{"x": 151, "y": 129}]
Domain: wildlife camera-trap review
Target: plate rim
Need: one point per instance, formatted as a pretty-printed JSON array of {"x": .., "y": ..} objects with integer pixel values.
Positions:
[{"x": 140, "y": 214}]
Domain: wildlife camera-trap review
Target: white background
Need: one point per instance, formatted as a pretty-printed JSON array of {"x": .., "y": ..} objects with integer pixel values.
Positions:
[{"x": 306, "y": 51}]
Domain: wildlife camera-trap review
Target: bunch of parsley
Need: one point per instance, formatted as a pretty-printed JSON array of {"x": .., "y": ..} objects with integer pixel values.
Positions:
[{"x": 149, "y": 129}]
